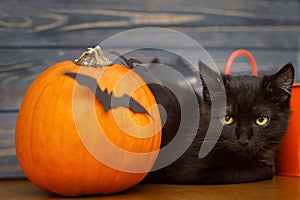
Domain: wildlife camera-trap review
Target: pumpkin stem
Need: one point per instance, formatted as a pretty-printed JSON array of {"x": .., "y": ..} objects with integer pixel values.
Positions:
[{"x": 93, "y": 57}]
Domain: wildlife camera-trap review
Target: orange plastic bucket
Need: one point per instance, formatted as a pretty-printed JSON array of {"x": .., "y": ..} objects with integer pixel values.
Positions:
[
  {"x": 288, "y": 158},
  {"x": 236, "y": 54}
]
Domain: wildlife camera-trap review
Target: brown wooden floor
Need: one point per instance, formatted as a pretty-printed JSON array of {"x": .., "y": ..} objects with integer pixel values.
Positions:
[{"x": 287, "y": 188}]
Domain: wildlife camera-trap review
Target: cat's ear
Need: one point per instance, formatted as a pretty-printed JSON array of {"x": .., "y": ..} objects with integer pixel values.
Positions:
[
  {"x": 279, "y": 85},
  {"x": 211, "y": 80}
]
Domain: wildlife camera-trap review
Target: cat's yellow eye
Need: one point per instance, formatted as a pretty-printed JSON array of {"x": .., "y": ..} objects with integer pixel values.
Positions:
[
  {"x": 262, "y": 120},
  {"x": 227, "y": 120}
]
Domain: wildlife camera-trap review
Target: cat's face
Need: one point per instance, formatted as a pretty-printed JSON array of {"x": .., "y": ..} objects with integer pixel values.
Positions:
[{"x": 257, "y": 112}]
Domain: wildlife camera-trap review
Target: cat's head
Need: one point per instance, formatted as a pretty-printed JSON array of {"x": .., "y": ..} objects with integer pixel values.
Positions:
[{"x": 257, "y": 110}]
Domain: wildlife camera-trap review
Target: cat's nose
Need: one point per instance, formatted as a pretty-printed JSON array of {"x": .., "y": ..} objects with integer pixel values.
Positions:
[{"x": 243, "y": 143}]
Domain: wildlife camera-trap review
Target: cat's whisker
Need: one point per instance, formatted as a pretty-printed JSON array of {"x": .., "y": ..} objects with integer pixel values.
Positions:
[
  {"x": 223, "y": 148},
  {"x": 278, "y": 149},
  {"x": 257, "y": 153}
]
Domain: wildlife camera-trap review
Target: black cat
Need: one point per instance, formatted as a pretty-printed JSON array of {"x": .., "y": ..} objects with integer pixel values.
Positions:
[{"x": 254, "y": 121}]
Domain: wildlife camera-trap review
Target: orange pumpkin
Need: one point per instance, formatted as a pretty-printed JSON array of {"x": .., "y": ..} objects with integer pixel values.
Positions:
[{"x": 70, "y": 143}]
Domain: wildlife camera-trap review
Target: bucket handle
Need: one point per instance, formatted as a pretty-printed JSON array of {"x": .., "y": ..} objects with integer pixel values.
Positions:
[{"x": 236, "y": 54}]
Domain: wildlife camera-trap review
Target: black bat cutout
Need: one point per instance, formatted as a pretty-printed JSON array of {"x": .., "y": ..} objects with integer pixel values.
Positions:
[{"x": 109, "y": 101}]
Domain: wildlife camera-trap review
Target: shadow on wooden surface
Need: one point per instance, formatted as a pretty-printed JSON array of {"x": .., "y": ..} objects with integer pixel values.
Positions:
[
  {"x": 35, "y": 35},
  {"x": 277, "y": 189}
]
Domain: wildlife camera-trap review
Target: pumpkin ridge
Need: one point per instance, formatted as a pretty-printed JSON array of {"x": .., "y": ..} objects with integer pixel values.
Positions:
[{"x": 29, "y": 136}]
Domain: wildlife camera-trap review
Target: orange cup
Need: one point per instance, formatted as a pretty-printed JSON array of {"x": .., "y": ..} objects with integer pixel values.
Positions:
[{"x": 288, "y": 155}]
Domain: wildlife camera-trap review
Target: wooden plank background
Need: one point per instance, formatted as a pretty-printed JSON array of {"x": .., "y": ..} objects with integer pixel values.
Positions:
[{"x": 36, "y": 34}]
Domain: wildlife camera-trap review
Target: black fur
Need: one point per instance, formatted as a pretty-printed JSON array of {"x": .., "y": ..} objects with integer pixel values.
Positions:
[{"x": 245, "y": 151}]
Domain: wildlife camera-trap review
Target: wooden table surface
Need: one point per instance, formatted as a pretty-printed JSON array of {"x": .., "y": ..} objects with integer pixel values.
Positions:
[{"x": 283, "y": 188}]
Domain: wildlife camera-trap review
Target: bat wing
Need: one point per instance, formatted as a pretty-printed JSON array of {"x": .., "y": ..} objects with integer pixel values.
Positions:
[
  {"x": 108, "y": 100},
  {"x": 129, "y": 102},
  {"x": 84, "y": 80}
]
